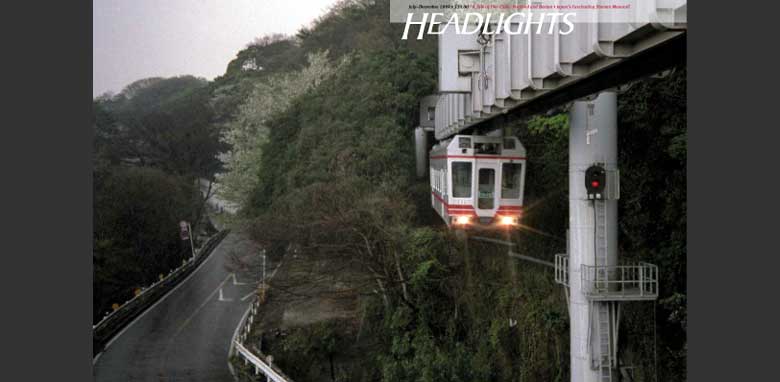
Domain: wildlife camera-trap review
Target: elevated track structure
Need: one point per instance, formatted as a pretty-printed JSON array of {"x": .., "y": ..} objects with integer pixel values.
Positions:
[{"x": 488, "y": 80}]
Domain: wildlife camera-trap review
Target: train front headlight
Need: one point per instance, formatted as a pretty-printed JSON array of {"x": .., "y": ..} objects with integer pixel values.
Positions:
[
  {"x": 463, "y": 220},
  {"x": 508, "y": 220}
]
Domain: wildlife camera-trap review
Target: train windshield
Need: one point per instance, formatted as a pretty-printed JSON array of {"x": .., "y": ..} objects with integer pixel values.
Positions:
[
  {"x": 487, "y": 148},
  {"x": 510, "y": 180},
  {"x": 461, "y": 179},
  {"x": 487, "y": 184}
]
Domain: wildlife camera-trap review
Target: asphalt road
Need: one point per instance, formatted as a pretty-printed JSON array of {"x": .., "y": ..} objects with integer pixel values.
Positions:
[{"x": 186, "y": 335}]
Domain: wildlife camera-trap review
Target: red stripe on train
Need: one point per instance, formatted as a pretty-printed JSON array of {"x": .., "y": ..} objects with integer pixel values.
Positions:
[
  {"x": 469, "y": 208},
  {"x": 455, "y": 209},
  {"x": 476, "y": 157}
]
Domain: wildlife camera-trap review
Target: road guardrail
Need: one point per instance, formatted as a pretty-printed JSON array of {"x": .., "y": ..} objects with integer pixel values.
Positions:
[{"x": 119, "y": 318}]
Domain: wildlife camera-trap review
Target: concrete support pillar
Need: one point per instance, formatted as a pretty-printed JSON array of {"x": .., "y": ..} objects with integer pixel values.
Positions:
[{"x": 592, "y": 139}]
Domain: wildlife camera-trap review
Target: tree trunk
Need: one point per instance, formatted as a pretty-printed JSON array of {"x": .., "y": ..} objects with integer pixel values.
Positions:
[
  {"x": 400, "y": 275},
  {"x": 199, "y": 211},
  {"x": 384, "y": 293}
]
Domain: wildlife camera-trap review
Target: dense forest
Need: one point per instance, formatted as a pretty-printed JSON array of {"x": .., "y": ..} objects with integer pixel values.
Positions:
[
  {"x": 152, "y": 142},
  {"x": 312, "y": 135}
]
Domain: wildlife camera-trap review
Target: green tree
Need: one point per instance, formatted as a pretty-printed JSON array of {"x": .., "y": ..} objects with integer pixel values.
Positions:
[
  {"x": 164, "y": 123},
  {"x": 136, "y": 212}
]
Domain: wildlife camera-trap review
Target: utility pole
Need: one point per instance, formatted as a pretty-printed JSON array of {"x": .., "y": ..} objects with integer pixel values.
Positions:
[
  {"x": 192, "y": 246},
  {"x": 185, "y": 233},
  {"x": 263, "y": 266}
]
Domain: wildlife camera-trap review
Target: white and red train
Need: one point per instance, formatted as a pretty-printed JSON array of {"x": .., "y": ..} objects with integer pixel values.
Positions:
[{"x": 478, "y": 181}]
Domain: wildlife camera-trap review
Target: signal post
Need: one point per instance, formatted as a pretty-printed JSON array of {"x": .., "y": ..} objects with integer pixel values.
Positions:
[{"x": 595, "y": 282}]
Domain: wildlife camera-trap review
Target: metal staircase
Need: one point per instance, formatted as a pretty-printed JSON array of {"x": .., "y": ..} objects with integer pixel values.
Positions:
[
  {"x": 605, "y": 285},
  {"x": 600, "y": 223},
  {"x": 604, "y": 357}
]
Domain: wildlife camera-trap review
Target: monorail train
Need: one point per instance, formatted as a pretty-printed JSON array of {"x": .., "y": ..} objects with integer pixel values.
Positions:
[{"x": 478, "y": 181}]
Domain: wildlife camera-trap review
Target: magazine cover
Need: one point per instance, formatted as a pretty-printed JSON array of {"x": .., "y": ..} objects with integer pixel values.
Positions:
[{"x": 389, "y": 190}]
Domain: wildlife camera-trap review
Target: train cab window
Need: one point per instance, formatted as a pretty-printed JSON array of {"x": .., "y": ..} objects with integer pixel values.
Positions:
[
  {"x": 464, "y": 143},
  {"x": 461, "y": 179},
  {"x": 487, "y": 185},
  {"x": 510, "y": 180},
  {"x": 487, "y": 148}
]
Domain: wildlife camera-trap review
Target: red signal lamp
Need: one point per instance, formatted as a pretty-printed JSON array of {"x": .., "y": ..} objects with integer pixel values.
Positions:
[{"x": 595, "y": 179}]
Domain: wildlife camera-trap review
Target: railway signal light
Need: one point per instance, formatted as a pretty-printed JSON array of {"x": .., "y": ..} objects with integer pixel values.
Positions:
[{"x": 595, "y": 181}]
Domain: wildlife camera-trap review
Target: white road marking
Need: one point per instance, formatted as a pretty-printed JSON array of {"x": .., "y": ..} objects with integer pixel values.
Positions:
[
  {"x": 248, "y": 295},
  {"x": 97, "y": 357},
  {"x": 222, "y": 298},
  {"x": 187, "y": 321},
  {"x": 277, "y": 268},
  {"x": 235, "y": 282}
]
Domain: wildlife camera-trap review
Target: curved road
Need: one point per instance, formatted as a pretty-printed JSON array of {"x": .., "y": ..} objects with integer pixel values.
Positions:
[{"x": 186, "y": 335}]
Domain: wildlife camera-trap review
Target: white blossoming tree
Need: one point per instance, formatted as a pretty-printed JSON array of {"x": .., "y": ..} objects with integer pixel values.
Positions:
[{"x": 248, "y": 131}]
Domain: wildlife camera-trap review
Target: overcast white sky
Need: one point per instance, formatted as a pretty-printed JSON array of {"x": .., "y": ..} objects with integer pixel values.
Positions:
[{"x": 134, "y": 39}]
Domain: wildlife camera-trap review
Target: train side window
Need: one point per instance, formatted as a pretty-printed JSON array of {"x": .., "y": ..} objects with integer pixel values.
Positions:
[
  {"x": 444, "y": 181},
  {"x": 510, "y": 180},
  {"x": 461, "y": 179}
]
